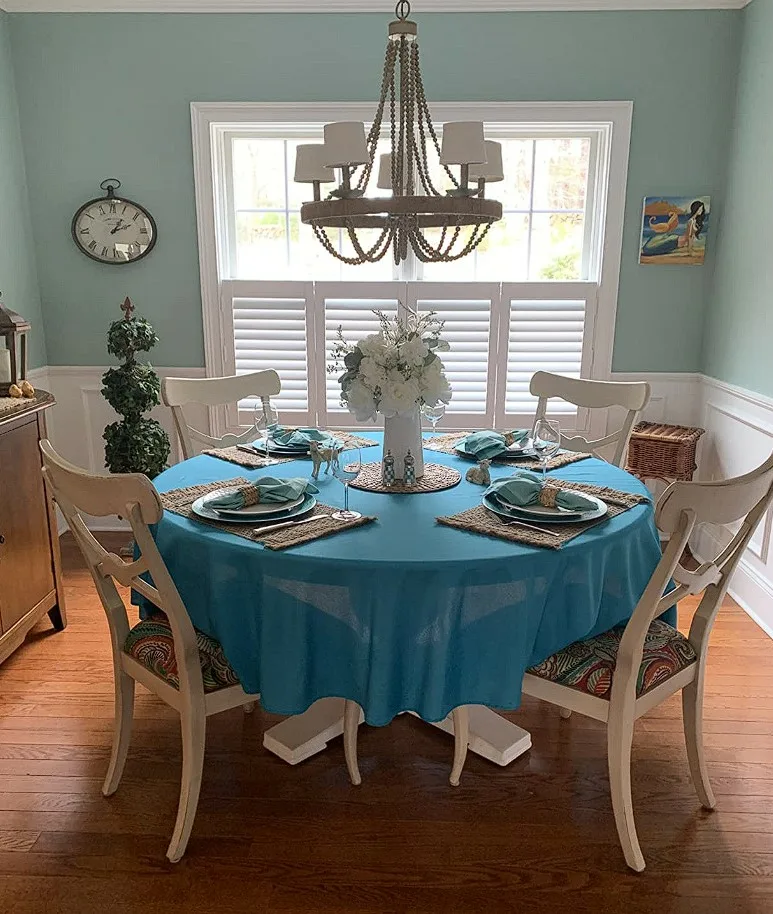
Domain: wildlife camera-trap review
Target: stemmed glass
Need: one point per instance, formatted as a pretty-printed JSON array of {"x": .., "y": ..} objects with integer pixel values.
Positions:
[
  {"x": 433, "y": 414},
  {"x": 266, "y": 420},
  {"x": 546, "y": 442},
  {"x": 346, "y": 468}
]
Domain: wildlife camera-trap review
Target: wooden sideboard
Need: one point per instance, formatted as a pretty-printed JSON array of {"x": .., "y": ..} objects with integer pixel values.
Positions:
[{"x": 30, "y": 568}]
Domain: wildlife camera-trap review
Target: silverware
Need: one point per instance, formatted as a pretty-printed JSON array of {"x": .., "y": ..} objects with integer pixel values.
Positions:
[
  {"x": 520, "y": 523},
  {"x": 289, "y": 523}
]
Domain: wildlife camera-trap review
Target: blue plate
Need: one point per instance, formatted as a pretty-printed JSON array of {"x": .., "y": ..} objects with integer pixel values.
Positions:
[
  {"x": 199, "y": 508},
  {"x": 540, "y": 515},
  {"x": 515, "y": 451}
]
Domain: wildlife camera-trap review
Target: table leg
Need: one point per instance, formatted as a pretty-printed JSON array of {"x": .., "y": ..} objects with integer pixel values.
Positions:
[{"x": 298, "y": 738}]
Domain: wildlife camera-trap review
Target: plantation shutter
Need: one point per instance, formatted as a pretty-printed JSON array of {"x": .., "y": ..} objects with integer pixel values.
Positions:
[
  {"x": 469, "y": 311},
  {"x": 270, "y": 331},
  {"x": 350, "y": 306},
  {"x": 544, "y": 330}
]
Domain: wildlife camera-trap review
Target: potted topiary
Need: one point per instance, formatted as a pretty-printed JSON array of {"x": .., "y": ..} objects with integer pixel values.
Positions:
[{"x": 136, "y": 444}]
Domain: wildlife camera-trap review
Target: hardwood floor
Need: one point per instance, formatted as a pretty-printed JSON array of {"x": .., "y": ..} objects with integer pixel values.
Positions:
[{"x": 536, "y": 836}]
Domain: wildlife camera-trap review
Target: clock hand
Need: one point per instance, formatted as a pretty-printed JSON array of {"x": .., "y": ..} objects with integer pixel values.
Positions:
[{"x": 118, "y": 227}]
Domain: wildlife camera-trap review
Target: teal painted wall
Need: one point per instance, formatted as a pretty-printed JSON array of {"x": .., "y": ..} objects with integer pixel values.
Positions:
[
  {"x": 109, "y": 95},
  {"x": 739, "y": 326},
  {"x": 18, "y": 276}
]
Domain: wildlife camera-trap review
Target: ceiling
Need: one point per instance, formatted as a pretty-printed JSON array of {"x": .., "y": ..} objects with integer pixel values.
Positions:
[{"x": 330, "y": 6}]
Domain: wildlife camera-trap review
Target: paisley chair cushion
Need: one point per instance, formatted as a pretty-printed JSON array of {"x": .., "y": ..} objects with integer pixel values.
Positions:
[
  {"x": 151, "y": 644},
  {"x": 588, "y": 666}
]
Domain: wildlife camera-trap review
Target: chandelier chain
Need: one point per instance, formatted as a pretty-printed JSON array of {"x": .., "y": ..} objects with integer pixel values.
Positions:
[{"x": 424, "y": 105}]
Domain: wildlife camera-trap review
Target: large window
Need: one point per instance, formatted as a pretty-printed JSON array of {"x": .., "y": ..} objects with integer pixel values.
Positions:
[{"x": 539, "y": 293}]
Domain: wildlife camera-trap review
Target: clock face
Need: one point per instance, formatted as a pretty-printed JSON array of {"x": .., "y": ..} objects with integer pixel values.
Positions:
[{"x": 114, "y": 231}]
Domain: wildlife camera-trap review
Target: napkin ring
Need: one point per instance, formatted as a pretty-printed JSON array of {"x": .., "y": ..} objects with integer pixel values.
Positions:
[
  {"x": 251, "y": 495},
  {"x": 548, "y": 495},
  {"x": 509, "y": 439}
]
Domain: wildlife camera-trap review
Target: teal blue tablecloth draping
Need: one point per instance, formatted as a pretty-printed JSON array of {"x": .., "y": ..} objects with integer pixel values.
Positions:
[{"x": 403, "y": 614}]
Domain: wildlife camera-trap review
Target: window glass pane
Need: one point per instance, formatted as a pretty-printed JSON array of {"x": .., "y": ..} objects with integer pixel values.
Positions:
[
  {"x": 261, "y": 246},
  {"x": 457, "y": 270},
  {"x": 308, "y": 259},
  {"x": 258, "y": 173},
  {"x": 561, "y": 173},
  {"x": 556, "y": 246},
  {"x": 503, "y": 254},
  {"x": 515, "y": 191}
]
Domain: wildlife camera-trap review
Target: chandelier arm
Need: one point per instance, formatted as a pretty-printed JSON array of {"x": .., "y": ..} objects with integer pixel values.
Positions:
[{"x": 424, "y": 105}]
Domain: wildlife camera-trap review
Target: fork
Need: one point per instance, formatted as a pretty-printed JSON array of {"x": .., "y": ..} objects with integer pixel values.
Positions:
[
  {"x": 289, "y": 523},
  {"x": 520, "y": 523}
]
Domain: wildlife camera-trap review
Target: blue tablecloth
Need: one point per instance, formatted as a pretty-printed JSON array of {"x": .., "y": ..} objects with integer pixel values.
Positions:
[{"x": 403, "y": 614}]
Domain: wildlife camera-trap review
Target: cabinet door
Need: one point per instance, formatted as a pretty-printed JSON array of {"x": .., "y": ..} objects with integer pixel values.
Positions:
[{"x": 26, "y": 574}]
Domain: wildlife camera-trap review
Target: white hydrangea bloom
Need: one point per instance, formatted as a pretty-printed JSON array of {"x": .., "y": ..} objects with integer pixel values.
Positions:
[
  {"x": 414, "y": 351},
  {"x": 361, "y": 402}
]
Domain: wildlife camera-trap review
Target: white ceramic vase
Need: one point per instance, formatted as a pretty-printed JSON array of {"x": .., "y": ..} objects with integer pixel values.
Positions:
[{"x": 403, "y": 434}]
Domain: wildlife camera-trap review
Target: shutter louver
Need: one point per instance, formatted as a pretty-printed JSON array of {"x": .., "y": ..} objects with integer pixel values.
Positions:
[
  {"x": 270, "y": 332},
  {"x": 543, "y": 336}
]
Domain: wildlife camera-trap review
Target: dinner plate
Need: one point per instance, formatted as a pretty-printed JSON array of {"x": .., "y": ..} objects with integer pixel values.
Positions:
[
  {"x": 199, "y": 508},
  {"x": 254, "y": 511},
  {"x": 290, "y": 450},
  {"x": 546, "y": 515},
  {"x": 515, "y": 450}
]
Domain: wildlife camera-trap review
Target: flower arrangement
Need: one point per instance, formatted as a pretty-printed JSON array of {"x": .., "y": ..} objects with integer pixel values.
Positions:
[{"x": 394, "y": 371}]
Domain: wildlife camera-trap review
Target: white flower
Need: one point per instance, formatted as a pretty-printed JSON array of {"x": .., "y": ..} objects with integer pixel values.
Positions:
[
  {"x": 399, "y": 394},
  {"x": 371, "y": 373},
  {"x": 360, "y": 401},
  {"x": 434, "y": 384},
  {"x": 372, "y": 345},
  {"x": 414, "y": 351}
]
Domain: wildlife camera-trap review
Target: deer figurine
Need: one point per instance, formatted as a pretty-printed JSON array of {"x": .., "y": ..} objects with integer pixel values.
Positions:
[{"x": 321, "y": 454}]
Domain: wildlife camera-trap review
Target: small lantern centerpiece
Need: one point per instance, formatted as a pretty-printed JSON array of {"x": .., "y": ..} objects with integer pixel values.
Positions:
[{"x": 13, "y": 358}]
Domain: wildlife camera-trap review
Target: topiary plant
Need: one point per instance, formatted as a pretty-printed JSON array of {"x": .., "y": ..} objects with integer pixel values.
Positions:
[{"x": 136, "y": 444}]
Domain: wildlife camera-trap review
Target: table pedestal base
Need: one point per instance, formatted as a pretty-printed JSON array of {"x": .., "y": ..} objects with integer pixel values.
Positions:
[{"x": 304, "y": 735}]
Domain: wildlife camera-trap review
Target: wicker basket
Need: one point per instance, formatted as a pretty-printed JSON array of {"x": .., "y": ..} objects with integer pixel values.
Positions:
[{"x": 663, "y": 451}]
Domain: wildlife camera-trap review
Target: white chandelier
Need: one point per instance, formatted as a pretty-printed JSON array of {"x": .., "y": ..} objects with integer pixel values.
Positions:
[{"x": 416, "y": 204}]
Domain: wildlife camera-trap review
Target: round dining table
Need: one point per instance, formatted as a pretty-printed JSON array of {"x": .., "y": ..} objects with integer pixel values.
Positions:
[{"x": 402, "y": 614}]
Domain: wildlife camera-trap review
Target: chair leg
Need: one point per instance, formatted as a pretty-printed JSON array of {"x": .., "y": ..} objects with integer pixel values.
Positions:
[
  {"x": 619, "y": 738},
  {"x": 122, "y": 731},
  {"x": 351, "y": 726},
  {"x": 565, "y": 713},
  {"x": 249, "y": 706},
  {"x": 193, "y": 725},
  {"x": 692, "y": 718},
  {"x": 461, "y": 719}
]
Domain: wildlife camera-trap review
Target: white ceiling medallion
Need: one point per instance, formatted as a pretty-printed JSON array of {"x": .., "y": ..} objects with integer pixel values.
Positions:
[{"x": 352, "y": 6}]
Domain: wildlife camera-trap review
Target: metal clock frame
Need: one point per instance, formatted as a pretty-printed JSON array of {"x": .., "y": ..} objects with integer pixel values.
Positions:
[{"x": 110, "y": 186}]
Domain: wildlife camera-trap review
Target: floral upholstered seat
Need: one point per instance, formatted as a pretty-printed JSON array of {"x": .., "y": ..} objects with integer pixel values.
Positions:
[
  {"x": 589, "y": 665},
  {"x": 151, "y": 644}
]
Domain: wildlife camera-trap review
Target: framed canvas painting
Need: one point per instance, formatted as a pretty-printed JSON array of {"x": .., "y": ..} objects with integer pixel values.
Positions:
[{"x": 674, "y": 230}]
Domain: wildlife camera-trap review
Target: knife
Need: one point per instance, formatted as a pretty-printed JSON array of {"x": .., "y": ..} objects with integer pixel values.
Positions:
[{"x": 258, "y": 531}]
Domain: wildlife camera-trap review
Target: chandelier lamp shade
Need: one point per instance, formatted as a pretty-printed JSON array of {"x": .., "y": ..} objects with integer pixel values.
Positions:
[{"x": 457, "y": 214}]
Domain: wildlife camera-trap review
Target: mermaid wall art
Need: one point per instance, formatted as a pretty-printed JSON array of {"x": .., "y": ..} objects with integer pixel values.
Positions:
[{"x": 674, "y": 230}]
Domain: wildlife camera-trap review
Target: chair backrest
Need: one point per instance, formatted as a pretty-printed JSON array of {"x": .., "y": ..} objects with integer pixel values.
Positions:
[
  {"x": 177, "y": 392},
  {"x": 630, "y": 395},
  {"x": 681, "y": 507},
  {"x": 132, "y": 497}
]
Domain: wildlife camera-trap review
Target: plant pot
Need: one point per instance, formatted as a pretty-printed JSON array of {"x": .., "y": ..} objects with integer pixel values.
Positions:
[{"x": 403, "y": 434}]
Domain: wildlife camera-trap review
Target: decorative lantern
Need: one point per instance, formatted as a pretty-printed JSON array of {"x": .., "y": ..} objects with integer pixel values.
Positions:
[{"x": 13, "y": 359}]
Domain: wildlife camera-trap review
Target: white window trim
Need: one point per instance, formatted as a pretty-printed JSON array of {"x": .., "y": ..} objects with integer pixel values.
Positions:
[{"x": 211, "y": 122}]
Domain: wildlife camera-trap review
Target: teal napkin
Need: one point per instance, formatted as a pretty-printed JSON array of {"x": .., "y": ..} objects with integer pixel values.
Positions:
[
  {"x": 266, "y": 490},
  {"x": 485, "y": 445},
  {"x": 302, "y": 437},
  {"x": 523, "y": 488}
]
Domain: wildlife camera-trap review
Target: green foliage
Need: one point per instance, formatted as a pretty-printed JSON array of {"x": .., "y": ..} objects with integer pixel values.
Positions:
[
  {"x": 564, "y": 266},
  {"x": 135, "y": 444},
  {"x": 126, "y": 337}
]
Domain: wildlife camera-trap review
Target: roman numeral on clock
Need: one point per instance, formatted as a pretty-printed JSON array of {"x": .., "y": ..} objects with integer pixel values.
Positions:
[{"x": 92, "y": 245}]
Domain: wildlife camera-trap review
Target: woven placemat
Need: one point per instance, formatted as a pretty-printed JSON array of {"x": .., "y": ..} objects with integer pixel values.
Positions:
[
  {"x": 435, "y": 479},
  {"x": 179, "y": 501},
  {"x": 480, "y": 520},
  {"x": 253, "y": 459},
  {"x": 446, "y": 444}
]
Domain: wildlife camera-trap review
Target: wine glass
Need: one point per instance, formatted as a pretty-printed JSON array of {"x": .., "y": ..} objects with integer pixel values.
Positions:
[
  {"x": 346, "y": 468},
  {"x": 546, "y": 442},
  {"x": 266, "y": 420},
  {"x": 433, "y": 414}
]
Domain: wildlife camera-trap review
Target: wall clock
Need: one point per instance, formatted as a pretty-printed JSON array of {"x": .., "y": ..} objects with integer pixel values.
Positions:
[{"x": 113, "y": 229}]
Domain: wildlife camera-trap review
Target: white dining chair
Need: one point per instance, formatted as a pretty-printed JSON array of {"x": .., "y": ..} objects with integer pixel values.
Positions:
[
  {"x": 179, "y": 392},
  {"x": 618, "y": 676},
  {"x": 352, "y": 715},
  {"x": 184, "y": 667},
  {"x": 632, "y": 396}
]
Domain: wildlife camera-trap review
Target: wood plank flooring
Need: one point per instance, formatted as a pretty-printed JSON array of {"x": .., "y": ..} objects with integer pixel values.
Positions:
[{"x": 536, "y": 836}]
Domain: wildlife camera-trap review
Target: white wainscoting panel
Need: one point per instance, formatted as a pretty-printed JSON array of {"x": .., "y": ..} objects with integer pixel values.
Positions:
[
  {"x": 76, "y": 423},
  {"x": 739, "y": 437}
]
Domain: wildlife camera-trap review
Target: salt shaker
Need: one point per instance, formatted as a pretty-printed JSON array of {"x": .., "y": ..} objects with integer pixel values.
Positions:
[
  {"x": 409, "y": 471},
  {"x": 388, "y": 469}
]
